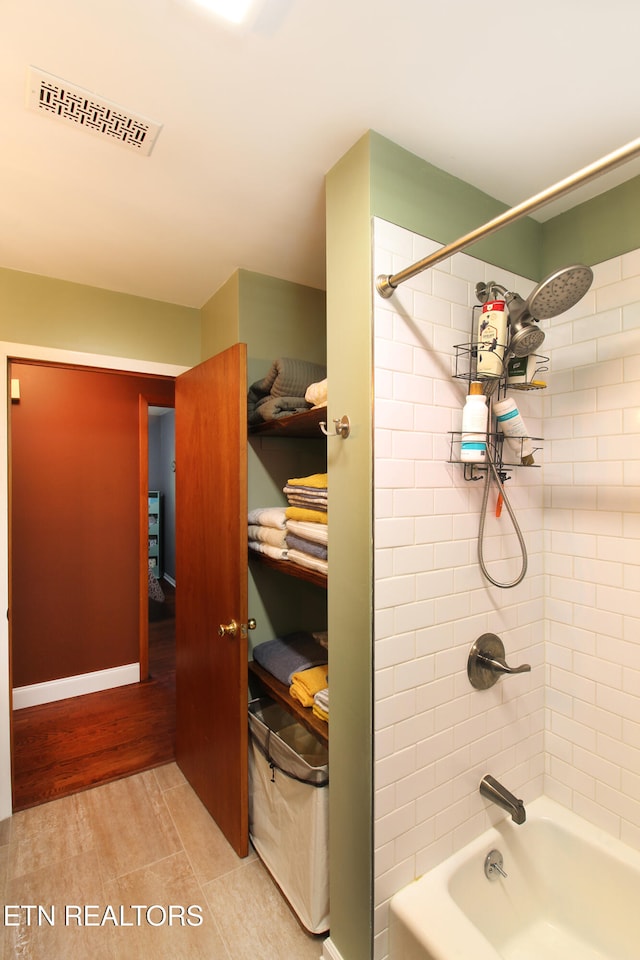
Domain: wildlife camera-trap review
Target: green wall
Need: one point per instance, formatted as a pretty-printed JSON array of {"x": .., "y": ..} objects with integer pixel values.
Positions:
[
  {"x": 604, "y": 227},
  {"x": 281, "y": 319},
  {"x": 275, "y": 319},
  {"x": 349, "y": 351},
  {"x": 71, "y": 316},
  {"x": 220, "y": 317},
  {"x": 420, "y": 197},
  {"x": 424, "y": 199}
]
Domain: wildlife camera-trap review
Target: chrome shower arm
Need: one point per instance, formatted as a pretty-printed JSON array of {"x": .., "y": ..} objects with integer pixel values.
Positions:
[{"x": 386, "y": 284}]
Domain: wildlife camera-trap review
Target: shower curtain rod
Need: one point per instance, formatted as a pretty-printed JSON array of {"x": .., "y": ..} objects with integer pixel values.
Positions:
[{"x": 386, "y": 284}]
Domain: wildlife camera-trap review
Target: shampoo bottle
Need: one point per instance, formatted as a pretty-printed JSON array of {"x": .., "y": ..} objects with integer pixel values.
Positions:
[
  {"x": 514, "y": 429},
  {"x": 492, "y": 338},
  {"x": 475, "y": 416}
]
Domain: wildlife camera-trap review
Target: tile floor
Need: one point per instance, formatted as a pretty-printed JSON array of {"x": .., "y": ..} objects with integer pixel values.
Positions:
[{"x": 145, "y": 841}]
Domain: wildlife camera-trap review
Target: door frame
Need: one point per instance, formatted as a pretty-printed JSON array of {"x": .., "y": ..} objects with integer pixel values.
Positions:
[
  {"x": 20, "y": 351},
  {"x": 145, "y": 401}
]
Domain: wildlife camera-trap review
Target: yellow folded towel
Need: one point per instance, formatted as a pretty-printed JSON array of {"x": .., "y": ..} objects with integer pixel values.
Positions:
[
  {"x": 301, "y": 513},
  {"x": 319, "y": 712},
  {"x": 315, "y": 480},
  {"x": 306, "y": 683}
]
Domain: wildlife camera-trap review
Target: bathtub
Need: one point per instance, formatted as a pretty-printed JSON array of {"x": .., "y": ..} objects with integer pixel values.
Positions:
[{"x": 572, "y": 892}]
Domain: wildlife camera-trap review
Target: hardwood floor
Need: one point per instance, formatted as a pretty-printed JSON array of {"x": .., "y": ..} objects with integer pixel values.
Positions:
[{"x": 64, "y": 747}]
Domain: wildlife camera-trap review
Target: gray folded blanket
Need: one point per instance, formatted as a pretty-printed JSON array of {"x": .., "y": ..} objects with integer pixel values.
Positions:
[
  {"x": 287, "y": 382},
  {"x": 307, "y": 546},
  {"x": 284, "y": 656},
  {"x": 270, "y": 408}
]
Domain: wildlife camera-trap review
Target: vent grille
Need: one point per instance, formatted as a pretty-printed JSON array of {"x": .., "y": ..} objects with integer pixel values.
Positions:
[{"x": 81, "y": 108}]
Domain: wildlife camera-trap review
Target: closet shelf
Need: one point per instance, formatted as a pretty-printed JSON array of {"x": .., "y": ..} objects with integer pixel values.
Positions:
[
  {"x": 280, "y": 693},
  {"x": 291, "y": 569},
  {"x": 306, "y": 424}
]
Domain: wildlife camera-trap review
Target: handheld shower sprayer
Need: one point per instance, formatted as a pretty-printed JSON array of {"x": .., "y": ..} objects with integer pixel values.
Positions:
[{"x": 552, "y": 296}]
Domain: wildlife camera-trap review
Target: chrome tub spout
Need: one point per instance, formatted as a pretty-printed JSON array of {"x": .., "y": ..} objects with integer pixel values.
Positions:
[{"x": 494, "y": 791}]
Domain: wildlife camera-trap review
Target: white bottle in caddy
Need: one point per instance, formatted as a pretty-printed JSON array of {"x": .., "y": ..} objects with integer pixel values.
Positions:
[
  {"x": 510, "y": 421},
  {"x": 492, "y": 338},
  {"x": 475, "y": 416}
]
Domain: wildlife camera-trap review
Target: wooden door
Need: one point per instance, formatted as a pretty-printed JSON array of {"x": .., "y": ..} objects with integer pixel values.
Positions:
[
  {"x": 74, "y": 518},
  {"x": 211, "y": 570}
]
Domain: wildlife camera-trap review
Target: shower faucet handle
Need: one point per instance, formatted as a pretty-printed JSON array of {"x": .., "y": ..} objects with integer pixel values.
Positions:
[
  {"x": 499, "y": 666},
  {"x": 487, "y": 663}
]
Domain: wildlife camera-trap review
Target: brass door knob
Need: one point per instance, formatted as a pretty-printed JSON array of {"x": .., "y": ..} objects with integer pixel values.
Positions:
[{"x": 228, "y": 629}]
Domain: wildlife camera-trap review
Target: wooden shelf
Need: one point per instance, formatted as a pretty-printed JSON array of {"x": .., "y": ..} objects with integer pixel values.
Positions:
[
  {"x": 291, "y": 569},
  {"x": 306, "y": 424},
  {"x": 280, "y": 693}
]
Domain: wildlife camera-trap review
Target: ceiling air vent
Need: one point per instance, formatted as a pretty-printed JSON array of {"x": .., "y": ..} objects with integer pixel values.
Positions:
[{"x": 81, "y": 108}]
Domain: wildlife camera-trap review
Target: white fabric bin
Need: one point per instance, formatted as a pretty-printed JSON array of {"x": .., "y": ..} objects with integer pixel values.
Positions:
[{"x": 289, "y": 809}]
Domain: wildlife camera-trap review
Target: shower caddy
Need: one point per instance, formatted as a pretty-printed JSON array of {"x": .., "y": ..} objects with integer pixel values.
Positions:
[{"x": 466, "y": 369}]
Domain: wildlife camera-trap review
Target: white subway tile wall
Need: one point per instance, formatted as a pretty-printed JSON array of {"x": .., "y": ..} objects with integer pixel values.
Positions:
[
  {"x": 592, "y": 512},
  {"x": 571, "y": 727}
]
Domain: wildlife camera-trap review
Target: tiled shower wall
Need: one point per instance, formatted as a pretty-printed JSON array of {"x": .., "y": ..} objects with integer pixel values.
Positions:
[
  {"x": 592, "y": 552},
  {"x": 435, "y": 736}
]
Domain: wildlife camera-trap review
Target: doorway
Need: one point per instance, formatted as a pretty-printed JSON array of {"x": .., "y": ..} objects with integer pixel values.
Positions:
[{"x": 75, "y": 557}]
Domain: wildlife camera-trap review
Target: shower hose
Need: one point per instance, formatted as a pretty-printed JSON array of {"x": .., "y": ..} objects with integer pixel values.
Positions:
[{"x": 491, "y": 471}]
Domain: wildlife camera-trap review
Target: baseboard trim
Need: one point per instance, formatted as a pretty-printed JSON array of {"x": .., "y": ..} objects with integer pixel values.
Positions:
[
  {"x": 52, "y": 690},
  {"x": 329, "y": 951}
]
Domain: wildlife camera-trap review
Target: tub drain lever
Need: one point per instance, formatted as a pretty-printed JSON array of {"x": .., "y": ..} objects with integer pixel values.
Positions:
[{"x": 493, "y": 865}]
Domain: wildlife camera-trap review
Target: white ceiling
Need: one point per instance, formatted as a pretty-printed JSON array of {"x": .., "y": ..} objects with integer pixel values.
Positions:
[{"x": 509, "y": 96}]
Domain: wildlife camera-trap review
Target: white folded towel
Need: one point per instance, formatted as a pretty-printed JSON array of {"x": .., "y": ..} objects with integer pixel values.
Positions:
[
  {"x": 268, "y": 517},
  {"x": 316, "y": 393},
  {"x": 262, "y": 534},
  {"x": 316, "y": 532},
  {"x": 277, "y": 553},
  {"x": 322, "y": 698},
  {"x": 306, "y": 560}
]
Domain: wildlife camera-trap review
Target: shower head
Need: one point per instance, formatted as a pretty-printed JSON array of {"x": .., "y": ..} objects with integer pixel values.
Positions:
[
  {"x": 559, "y": 291},
  {"x": 525, "y": 335},
  {"x": 553, "y": 295}
]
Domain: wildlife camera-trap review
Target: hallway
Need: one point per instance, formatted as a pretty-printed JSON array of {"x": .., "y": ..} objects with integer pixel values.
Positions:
[{"x": 70, "y": 745}]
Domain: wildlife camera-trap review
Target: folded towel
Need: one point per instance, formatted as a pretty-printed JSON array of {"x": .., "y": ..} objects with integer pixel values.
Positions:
[
  {"x": 317, "y": 493},
  {"x": 306, "y": 560},
  {"x": 320, "y": 713},
  {"x": 261, "y": 534},
  {"x": 313, "y": 503},
  {"x": 306, "y": 683},
  {"x": 284, "y": 656},
  {"x": 276, "y": 553},
  {"x": 321, "y": 698},
  {"x": 307, "y": 546},
  {"x": 287, "y": 377},
  {"x": 271, "y": 408},
  {"x": 321, "y": 704},
  {"x": 316, "y": 393},
  {"x": 317, "y": 532},
  {"x": 268, "y": 517},
  {"x": 315, "y": 480},
  {"x": 305, "y": 513},
  {"x": 321, "y": 636}
]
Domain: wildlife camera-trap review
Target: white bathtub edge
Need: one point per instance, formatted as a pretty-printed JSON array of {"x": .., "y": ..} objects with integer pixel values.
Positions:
[{"x": 413, "y": 937}]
